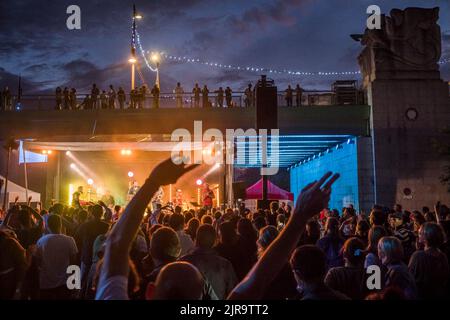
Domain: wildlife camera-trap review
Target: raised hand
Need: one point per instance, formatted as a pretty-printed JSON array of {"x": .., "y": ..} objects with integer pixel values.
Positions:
[
  {"x": 315, "y": 197},
  {"x": 168, "y": 172}
]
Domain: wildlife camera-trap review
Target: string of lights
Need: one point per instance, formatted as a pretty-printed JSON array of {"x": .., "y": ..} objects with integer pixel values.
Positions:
[
  {"x": 184, "y": 59},
  {"x": 138, "y": 38}
]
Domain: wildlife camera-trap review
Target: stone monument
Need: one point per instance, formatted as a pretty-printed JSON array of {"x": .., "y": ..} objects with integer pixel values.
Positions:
[{"x": 410, "y": 107}]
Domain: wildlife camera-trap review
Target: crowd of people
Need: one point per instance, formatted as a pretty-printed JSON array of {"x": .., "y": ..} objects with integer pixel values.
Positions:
[
  {"x": 140, "y": 97},
  {"x": 308, "y": 252}
]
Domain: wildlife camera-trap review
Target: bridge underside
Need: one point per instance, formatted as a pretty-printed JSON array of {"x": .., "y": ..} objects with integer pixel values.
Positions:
[
  {"x": 292, "y": 149},
  {"x": 54, "y": 125}
]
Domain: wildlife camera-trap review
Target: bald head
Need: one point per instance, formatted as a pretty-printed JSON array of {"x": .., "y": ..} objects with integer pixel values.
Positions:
[{"x": 179, "y": 281}]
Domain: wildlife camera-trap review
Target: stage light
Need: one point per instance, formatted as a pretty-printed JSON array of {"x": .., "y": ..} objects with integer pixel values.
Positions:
[
  {"x": 132, "y": 60},
  {"x": 199, "y": 182},
  {"x": 67, "y": 153},
  {"x": 49, "y": 151},
  {"x": 125, "y": 152},
  {"x": 73, "y": 166},
  {"x": 90, "y": 181},
  {"x": 71, "y": 191},
  {"x": 130, "y": 174}
]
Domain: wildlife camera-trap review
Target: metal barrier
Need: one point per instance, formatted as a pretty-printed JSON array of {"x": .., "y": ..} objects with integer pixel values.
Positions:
[{"x": 170, "y": 100}]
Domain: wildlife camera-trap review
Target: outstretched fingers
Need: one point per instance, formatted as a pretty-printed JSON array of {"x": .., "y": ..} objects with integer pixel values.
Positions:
[
  {"x": 322, "y": 180},
  {"x": 330, "y": 182}
]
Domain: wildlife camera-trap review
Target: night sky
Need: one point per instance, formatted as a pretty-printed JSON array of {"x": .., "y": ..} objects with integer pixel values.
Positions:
[{"x": 300, "y": 35}]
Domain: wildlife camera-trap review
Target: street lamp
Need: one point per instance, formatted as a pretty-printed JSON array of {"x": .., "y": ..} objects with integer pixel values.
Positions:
[{"x": 155, "y": 57}]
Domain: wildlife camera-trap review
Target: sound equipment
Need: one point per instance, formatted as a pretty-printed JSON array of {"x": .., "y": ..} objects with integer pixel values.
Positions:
[
  {"x": 266, "y": 104},
  {"x": 239, "y": 190}
]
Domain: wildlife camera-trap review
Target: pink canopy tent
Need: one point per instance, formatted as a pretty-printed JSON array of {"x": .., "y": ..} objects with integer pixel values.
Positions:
[{"x": 273, "y": 192}]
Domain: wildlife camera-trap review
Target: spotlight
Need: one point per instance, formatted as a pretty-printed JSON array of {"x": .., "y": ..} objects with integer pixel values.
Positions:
[
  {"x": 67, "y": 153},
  {"x": 49, "y": 151},
  {"x": 125, "y": 152},
  {"x": 199, "y": 182},
  {"x": 90, "y": 181},
  {"x": 130, "y": 174},
  {"x": 73, "y": 166}
]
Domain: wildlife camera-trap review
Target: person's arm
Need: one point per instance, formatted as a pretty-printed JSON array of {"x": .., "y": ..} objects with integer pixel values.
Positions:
[
  {"x": 437, "y": 212},
  {"x": 108, "y": 212},
  {"x": 36, "y": 215},
  {"x": 310, "y": 202},
  {"x": 120, "y": 239}
]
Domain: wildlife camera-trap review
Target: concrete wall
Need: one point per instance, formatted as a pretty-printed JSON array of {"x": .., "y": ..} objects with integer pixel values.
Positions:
[
  {"x": 343, "y": 161},
  {"x": 404, "y": 154}
]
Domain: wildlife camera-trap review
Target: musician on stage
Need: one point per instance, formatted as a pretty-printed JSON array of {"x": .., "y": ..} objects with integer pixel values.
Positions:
[
  {"x": 207, "y": 197},
  {"x": 178, "y": 201},
  {"x": 133, "y": 189},
  {"x": 76, "y": 197},
  {"x": 157, "y": 198}
]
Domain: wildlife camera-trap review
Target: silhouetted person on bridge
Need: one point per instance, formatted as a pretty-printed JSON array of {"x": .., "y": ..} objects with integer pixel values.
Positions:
[
  {"x": 205, "y": 100},
  {"x": 179, "y": 95},
  {"x": 155, "y": 93},
  {"x": 121, "y": 97},
  {"x": 66, "y": 98},
  {"x": 87, "y": 103},
  {"x": 58, "y": 95},
  {"x": 6, "y": 99},
  {"x": 73, "y": 98},
  {"x": 228, "y": 97},
  {"x": 248, "y": 100},
  {"x": 289, "y": 95},
  {"x": 220, "y": 94},
  {"x": 138, "y": 98},
  {"x": 132, "y": 99},
  {"x": 94, "y": 95},
  {"x": 298, "y": 95},
  {"x": 104, "y": 100},
  {"x": 196, "y": 91},
  {"x": 143, "y": 96},
  {"x": 111, "y": 97}
]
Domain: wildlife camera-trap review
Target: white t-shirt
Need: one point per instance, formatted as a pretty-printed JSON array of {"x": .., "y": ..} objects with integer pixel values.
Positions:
[
  {"x": 54, "y": 252},
  {"x": 185, "y": 241}
]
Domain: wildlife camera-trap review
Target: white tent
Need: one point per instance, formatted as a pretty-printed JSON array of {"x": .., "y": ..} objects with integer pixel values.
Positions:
[{"x": 15, "y": 190}]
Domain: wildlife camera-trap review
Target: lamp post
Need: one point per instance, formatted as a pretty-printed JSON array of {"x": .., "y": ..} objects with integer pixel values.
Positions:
[
  {"x": 132, "y": 60},
  {"x": 155, "y": 57}
]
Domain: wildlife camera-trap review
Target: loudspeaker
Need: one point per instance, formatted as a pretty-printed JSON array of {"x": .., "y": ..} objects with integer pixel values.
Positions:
[
  {"x": 266, "y": 104},
  {"x": 239, "y": 190}
]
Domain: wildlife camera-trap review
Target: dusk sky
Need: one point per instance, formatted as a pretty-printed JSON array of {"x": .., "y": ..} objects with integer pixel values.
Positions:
[{"x": 299, "y": 35}]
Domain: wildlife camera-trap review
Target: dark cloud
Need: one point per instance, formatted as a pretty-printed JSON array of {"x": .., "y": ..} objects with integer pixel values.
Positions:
[{"x": 261, "y": 16}]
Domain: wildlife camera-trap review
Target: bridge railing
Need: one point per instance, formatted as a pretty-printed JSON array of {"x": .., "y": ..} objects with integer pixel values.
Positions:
[{"x": 166, "y": 100}]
